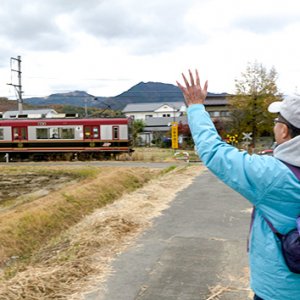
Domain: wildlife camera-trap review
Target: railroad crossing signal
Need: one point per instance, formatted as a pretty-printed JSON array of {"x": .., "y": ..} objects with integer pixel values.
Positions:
[{"x": 247, "y": 138}]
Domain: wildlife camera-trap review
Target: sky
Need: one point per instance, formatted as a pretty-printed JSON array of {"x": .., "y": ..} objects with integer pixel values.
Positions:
[{"x": 105, "y": 47}]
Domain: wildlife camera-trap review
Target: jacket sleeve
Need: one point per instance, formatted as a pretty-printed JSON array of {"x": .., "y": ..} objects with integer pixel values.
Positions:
[{"x": 250, "y": 175}]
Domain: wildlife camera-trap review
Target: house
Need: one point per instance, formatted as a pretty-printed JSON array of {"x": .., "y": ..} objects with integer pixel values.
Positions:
[
  {"x": 216, "y": 105},
  {"x": 143, "y": 111},
  {"x": 157, "y": 128},
  {"x": 158, "y": 116}
]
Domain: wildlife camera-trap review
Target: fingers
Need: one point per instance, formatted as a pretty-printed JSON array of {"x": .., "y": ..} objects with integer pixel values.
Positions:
[
  {"x": 205, "y": 86},
  {"x": 192, "y": 81},
  {"x": 191, "y": 78},
  {"x": 185, "y": 81},
  {"x": 197, "y": 78},
  {"x": 183, "y": 89}
]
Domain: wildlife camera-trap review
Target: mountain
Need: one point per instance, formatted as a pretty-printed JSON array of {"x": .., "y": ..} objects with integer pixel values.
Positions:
[
  {"x": 76, "y": 98},
  {"x": 140, "y": 93},
  {"x": 6, "y": 105}
]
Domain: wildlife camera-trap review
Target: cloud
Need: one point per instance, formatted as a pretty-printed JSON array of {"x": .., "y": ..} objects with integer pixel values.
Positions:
[
  {"x": 33, "y": 24},
  {"x": 265, "y": 24},
  {"x": 144, "y": 27}
]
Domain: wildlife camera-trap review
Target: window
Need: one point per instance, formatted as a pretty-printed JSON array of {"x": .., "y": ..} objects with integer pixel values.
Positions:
[
  {"x": 225, "y": 114},
  {"x": 115, "y": 132},
  {"x": 42, "y": 133},
  {"x": 1, "y": 134},
  {"x": 214, "y": 114},
  {"x": 67, "y": 133},
  {"x": 148, "y": 116},
  {"x": 55, "y": 133}
]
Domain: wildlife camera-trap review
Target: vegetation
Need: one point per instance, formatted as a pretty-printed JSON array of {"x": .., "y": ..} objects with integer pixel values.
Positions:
[
  {"x": 26, "y": 227},
  {"x": 254, "y": 92},
  {"x": 137, "y": 127}
]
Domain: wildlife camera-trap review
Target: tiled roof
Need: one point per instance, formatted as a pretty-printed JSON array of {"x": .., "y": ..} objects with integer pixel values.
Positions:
[
  {"x": 144, "y": 107},
  {"x": 164, "y": 121}
]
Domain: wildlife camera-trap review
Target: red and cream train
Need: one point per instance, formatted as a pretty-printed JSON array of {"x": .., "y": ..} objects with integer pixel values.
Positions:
[{"x": 64, "y": 138}]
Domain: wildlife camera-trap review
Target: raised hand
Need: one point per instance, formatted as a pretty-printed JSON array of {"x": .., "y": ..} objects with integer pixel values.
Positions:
[{"x": 193, "y": 92}]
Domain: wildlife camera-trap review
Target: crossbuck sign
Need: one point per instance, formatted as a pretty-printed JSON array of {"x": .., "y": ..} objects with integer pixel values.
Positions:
[{"x": 247, "y": 138}]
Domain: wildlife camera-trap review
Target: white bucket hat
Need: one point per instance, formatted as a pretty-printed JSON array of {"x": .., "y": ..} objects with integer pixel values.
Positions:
[{"x": 289, "y": 108}]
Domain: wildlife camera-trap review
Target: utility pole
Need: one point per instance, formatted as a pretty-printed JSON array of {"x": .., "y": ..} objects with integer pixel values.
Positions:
[{"x": 17, "y": 86}]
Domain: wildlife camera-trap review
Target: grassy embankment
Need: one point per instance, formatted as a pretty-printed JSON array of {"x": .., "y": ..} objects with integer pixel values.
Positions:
[{"x": 28, "y": 225}]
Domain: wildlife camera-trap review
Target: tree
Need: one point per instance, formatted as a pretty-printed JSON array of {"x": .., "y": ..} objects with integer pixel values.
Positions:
[
  {"x": 254, "y": 92},
  {"x": 137, "y": 127}
]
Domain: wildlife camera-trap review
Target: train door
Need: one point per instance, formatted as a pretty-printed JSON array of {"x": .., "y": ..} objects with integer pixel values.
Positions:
[
  {"x": 91, "y": 132},
  {"x": 19, "y": 133}
]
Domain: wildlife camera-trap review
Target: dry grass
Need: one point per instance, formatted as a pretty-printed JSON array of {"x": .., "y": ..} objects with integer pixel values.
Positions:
[
  {"x": 81, "y": 257},
  {"x": 24, "y": 229},
  {"x": 230, "y": 285},
  {"x": 153, "y": 154}
]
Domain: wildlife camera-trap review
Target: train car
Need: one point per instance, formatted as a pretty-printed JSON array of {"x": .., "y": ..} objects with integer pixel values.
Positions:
[{"x": 64, "y": 138}]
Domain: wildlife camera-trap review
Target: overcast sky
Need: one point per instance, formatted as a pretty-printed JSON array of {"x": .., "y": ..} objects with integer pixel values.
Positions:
[{"x": 105, "y": 47}]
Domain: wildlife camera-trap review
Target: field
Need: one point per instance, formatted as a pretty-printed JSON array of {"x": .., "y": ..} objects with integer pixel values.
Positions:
[
  {"x": 151, "y": 154},
  {"x": 61, "y": 226}
]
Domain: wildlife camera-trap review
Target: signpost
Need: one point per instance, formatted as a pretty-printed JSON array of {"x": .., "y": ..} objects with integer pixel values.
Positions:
[{"x": 174, "y": 135}]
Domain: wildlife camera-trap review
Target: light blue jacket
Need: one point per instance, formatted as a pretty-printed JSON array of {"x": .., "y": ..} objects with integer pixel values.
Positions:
[{"x": 269, "y": 185}]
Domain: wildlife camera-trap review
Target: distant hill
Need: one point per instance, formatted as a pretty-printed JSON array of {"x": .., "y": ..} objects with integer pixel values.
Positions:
[
  {"x": 76, "y": 98},
  {"x": 140, "y": 93},
  {"x": 6, "y": 105}
]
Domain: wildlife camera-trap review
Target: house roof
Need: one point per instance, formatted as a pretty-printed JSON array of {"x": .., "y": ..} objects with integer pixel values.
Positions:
[
  {"x": 10, "y": 113},
  {"x": 162, "y": 123},
  {"x": 144, "y": 107},
  {"x": 215, "y": 101}
]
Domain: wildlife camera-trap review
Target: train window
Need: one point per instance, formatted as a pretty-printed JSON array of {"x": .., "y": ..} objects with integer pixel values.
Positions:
[
  {"x": 115, "y": 132},
  {"x": 42, "y": 133},
  {"x": 67, "y": 133},
  {"x": 1, "y": 134}
]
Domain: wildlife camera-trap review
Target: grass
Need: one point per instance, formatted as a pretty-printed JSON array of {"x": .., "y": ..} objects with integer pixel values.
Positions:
[
  {"x": 78, "y": 259},
  {"x": 154, "y": 154},
  {"x": 24, "y": 229}
]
